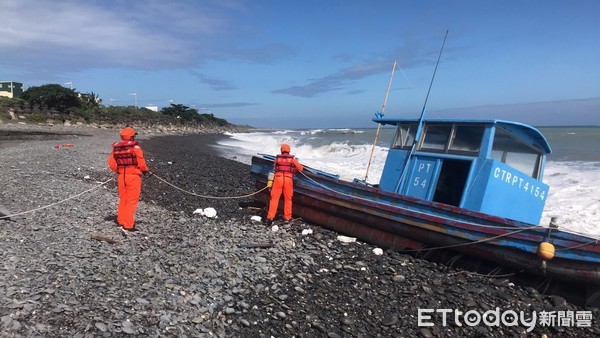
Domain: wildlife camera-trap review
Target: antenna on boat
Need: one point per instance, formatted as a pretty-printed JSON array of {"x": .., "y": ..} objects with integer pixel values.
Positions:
[
  {"x": 431, "y": 84},
  {"x": 421, "y": 118},
  {"x": 380, "y": 114}
]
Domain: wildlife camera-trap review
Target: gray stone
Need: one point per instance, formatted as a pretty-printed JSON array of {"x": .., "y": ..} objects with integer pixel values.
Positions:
[
  {"x": 399, "y": 278},
  {"x": 101, "y": 326},
  {"x": 390, "y": 319}
]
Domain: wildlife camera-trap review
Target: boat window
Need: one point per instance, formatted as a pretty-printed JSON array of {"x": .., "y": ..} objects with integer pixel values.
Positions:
[
  {"x": 405, "y": 136},
  {"x": 467, "y": 138},
  {"x": 516, "y": 154},
  {"x": 436, "y": 137}
]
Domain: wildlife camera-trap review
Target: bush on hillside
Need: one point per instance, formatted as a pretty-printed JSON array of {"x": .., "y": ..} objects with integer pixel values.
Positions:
[{"x": 52, "y": 96}]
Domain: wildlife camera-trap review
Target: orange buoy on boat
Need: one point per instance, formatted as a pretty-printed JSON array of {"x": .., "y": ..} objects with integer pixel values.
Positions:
[{"x": 546, "y": 251}]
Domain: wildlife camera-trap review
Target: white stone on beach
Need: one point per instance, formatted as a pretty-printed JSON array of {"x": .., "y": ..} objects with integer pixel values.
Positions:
[
  {"x": 208, "y": 212},
  {"x": 346, "y": 239}
]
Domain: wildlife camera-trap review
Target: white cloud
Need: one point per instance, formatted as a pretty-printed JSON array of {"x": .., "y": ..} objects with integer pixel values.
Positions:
[{"x": 74, "y": 34}]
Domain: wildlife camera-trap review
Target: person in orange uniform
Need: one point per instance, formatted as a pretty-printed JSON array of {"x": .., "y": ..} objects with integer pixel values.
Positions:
[
  {"x": 285, "y": 166},
  {"x": 127, "y": 159}
]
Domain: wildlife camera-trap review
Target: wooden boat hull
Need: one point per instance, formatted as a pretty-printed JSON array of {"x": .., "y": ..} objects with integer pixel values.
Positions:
[{"x": 404, "y": 223}]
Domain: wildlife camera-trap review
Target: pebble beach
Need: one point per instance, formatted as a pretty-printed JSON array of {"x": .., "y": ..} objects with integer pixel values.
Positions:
[{"x": 67, "y": 270}]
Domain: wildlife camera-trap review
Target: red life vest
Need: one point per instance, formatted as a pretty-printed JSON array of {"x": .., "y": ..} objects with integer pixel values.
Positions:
[
  {"x": 123, "y": 153},
  {"x": 285, "y": 163}
]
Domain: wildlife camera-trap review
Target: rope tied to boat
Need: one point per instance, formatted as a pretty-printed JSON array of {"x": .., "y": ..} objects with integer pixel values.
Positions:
[
  {"x": 207, "y": 196},
  {"x": 594, "y": 242},
  {"x": 464, "y": 244}
]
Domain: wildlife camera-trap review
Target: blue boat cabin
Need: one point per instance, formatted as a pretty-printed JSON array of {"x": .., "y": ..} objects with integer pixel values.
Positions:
[{"x": 491, "y": 166}]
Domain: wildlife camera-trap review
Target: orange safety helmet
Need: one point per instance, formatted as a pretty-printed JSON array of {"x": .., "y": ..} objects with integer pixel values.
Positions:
[
  {"x": 285, "y": 148},
  {"x": 127, "y": 133}
]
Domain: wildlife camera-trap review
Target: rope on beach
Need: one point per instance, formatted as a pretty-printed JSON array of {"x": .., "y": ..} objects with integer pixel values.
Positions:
[
  {"x": 205, "y": 196},
  {"x": 489, "y": 275},
  {"x": 59, "y": 202}
]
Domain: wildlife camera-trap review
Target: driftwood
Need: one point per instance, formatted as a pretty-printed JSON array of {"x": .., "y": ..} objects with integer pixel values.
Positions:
[
  {"x": 257, "y": 245},
  {"x": 105, "y": 239}
]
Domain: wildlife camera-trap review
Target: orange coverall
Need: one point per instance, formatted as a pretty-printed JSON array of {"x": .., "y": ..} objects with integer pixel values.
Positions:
[
  {"x": 130, "y": 187},
  {"x": 283, "y": 182}
]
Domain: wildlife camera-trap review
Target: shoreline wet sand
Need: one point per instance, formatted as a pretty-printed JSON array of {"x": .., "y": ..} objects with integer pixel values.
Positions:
[{"x": 188, "y": 275}]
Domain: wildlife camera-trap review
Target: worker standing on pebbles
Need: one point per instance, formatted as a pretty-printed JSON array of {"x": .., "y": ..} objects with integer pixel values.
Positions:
[
  {"x": 127, "y": 159},
  {"x": 285, "y": 167}
]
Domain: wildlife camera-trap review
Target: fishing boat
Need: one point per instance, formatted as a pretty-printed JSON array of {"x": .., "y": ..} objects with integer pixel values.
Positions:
[{"x": 473, "y": 187}]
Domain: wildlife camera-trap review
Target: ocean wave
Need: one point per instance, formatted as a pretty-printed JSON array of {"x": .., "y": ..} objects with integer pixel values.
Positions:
[{"x": 573, "y": 196}]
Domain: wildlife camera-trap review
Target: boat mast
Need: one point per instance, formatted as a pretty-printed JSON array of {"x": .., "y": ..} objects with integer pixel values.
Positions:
[
  {"x": 387, "y": 92},
  {"x": 421, "y": 118}
]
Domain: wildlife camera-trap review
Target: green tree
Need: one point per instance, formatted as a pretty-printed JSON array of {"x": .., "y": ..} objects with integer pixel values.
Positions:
[
  {"x": 90, "y": 100},
  {"x": 181, "y": 112},
  {"x": 210, "y": 117},
  {"x": 52, "y": 95}
]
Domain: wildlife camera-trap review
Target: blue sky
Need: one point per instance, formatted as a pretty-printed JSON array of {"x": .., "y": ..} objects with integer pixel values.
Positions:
[{"x": 316, "y": 63}]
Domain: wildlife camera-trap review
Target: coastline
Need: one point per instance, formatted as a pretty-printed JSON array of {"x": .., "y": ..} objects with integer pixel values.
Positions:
[{"x": 185, "y": 274}]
